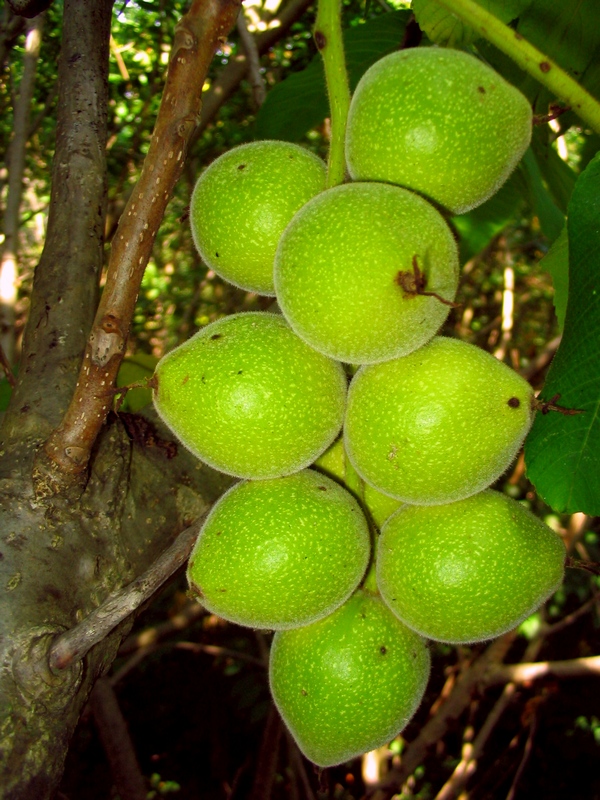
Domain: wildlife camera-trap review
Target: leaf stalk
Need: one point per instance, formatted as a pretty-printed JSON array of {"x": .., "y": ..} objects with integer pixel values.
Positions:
[{"x": 529, "y": 58}]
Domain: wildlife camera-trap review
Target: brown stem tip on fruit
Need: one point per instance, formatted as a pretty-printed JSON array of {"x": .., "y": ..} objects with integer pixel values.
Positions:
[
  {"x": 545, "y": 406},
  {"x": 554, "y": 111},
  {"x": 413, "y": 282}
]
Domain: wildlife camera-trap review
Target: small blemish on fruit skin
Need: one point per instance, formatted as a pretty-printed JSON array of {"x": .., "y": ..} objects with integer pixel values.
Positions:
[
  {"x": 303, "y": 692},
  {"x": 185, "y": 380},
  {"x": 514, "y": 402},
  {"x": 241, "y": 166},
  {"x": 383, "y": 649},
  {"x": 216, "y": 336},
  {"x": 481, "y": 90}
]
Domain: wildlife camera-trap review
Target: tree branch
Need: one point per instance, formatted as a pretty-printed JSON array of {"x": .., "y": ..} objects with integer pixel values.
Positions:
[
  {"x": 117, "y": 743},
  {"x": 197, "y": 37},
  {"x": 253, "y": 58},
  {"x": 9, "y": 270},
  {"x": 437, "y": 725},
  {"x": 76, "y": 642},
  {"x": 65, "y": 284},
  {"x": 526, "y": 672},
  {"x": 230, "y": 78}
]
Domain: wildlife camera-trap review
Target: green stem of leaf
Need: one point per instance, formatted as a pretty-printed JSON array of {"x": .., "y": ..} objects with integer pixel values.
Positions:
[
  {"x": 328, "y": 37},
  {"x": 529, "y": 58}
]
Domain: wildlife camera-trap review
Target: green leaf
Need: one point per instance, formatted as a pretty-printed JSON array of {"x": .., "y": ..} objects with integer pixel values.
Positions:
[
  {"x": 567, "y": 32},
  {"x": 562, "y": 452},
  {"x": 299, "y": 103},
  {"x": 136, "y": 369},
  {"x": 557, "y": 174},
  {"x": 478, "y": 227},
  {"x": 442, "y": 27},
  {"x": 550, "y": 217},
  {"x": 556, "y": 262}
]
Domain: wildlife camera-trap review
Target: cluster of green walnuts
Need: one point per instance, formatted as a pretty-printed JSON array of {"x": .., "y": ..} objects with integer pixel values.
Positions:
[{"x": 356, "y": 549}]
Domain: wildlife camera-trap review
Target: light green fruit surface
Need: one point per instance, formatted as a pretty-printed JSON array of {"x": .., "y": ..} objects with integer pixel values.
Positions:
[
  {"x": 350, "y": 682},
  {"x": 470, "y": 570},
  {"x": 250, "y": 398},
  {"x": 337, "y": 268},
  {"x": 280, "y": 553},
  {"x": 335, "y": 463},
  {"x": 242, "y": 203},
  {"x": 380, "y": 505},
  {"x": 438, "y": 121},
  {"x": 437, "y": 425}
]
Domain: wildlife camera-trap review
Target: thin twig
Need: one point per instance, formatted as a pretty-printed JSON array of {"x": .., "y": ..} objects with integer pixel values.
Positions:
[
  {"x": 573, "y": 616},
  {"x": 531, "y": 671},
  {"x": 217, "y": 651},
  {"x": 297, "y": 762},
  {"x": 255, "y": 76},
  {"x": 468, "y": 763},
  {"x": 131, "y": 664},
  {"x": 76, "y": 642},
  {"x": 467, "y": 684},
  {"x": 541, "y": 361},
  {"x": 113, "y": 732},
  {"x": 151, "y": 636},
  {"x": 230, "y": 77},
  {"x": 267, "y": 757},
  {"x": 527, "y": 751}
]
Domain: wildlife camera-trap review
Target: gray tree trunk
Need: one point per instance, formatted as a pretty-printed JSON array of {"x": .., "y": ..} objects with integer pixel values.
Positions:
[
  {"x": 9, "y": 270},
  {"x": 61, "y": 556}
]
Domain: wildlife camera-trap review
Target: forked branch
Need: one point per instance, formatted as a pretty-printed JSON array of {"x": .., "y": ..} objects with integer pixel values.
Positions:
[{"x": 196, "y": 39}]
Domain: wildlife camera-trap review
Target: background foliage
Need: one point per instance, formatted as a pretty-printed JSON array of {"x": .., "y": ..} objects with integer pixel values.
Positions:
[{"x": 194, "y": 690}]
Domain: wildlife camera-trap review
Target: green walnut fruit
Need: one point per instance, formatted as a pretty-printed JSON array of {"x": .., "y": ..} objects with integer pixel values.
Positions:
[
  {"x": 366, "y": 272},
  {"x": 440, "y": 122},
  {"x": 335, "y": 463},
  {"x": 437, "y": 425},
  {"x": 350, "y": 682},
  {"x": 470, "y": 570},
  {"x": 280, "y": 553},
  {"x": 242, "y": 203},
  {"x": 250, "y": 398}
]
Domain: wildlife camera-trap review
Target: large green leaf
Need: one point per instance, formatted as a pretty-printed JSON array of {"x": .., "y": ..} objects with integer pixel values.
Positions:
[
  {"x": 556, "y": 262},
  {"x": 550, "y": 217},
  {"x": 557, "y": 174},
  {"x": 562, "y": 452},
  {"x": 299, "y": 103},
  {"x": 442, "y": 27},
  {"x": 478, "y": 227},
  {"x": 567, "y": 32}
]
